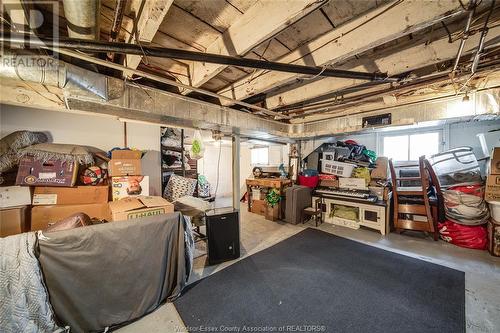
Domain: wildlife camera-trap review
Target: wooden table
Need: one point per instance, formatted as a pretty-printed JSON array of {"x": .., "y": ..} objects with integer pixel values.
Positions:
[{"x": 277, "y": 183}]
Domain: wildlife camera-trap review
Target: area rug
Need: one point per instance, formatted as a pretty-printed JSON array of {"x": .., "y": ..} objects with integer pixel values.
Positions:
[{"x": 317, "y": 282}]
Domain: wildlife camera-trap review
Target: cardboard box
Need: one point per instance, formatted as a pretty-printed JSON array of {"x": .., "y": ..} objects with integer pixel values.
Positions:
[
  {"x": 14, "y": 220},
  {"x": 132, "y": 208},
  {"x": 12, "y": 196},
  {"x": 126, "y": 154},
  {"x": 70, "y": 195},
  {"x": 125, "y": 163},
  {"x": 329, "y": 182},
  {"x": 43, "y": 216},
  {"x": 352, "y": 183},
  {"x": 129, "y": 186},
  {"x": 124, "y": 167},
  {"x": 49, "y": 173},
  {"x": 492, "y": 192},
  {"x": 495, "y": 161},
  {"x": 382, "y": 168},
  {"x": 259, "y": 207}
]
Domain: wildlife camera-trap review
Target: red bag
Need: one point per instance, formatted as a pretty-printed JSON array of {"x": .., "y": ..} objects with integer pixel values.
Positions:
[
  {"x": 472, "y": 189},
  {"x": 472, "y": 237}
]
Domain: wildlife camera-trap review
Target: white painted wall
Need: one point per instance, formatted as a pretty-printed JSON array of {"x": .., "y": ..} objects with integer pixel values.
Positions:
[
  {"x": 465, "y": 134},
  {"x": 207, "y": 166},
  {"x": 81, "y": 129}
]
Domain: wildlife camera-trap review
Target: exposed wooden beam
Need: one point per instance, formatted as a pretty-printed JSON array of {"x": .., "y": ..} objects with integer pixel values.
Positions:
[
  {"x": 381, "y": 25},
  {"x": 396, "y": 62},
  {"x": 259, "y": 23},
  {"x": 490, "y": 79},
  {"x": 150, "y": 14}
]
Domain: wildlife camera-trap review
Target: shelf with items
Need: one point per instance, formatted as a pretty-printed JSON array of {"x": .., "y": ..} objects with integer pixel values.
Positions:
[{"x": 175, "y": 157}]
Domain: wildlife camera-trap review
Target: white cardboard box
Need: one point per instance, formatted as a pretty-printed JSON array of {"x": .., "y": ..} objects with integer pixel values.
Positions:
[
  {"x": 11, "y": 196},
  {"x": 129, "y": 186}
]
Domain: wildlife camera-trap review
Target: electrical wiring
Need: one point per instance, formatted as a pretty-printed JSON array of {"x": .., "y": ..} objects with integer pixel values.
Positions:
[
  {"x": 306, "y": 54},
  {"x": 218, "y": 168}
]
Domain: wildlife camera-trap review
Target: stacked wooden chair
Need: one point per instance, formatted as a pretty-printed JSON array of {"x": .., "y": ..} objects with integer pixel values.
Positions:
[{"x": 420, "y": 199}]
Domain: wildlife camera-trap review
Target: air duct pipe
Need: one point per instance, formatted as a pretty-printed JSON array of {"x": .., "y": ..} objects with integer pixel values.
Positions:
[
  {"x": 52, "y": 72},
  {"x": 82, "y": 17}
]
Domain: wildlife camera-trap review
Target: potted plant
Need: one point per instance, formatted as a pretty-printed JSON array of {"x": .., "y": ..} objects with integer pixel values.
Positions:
[{"x": 272, "y": 200}]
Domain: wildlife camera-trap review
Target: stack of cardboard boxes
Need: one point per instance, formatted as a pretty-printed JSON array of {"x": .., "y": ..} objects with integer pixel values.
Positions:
[
  {"x": 46, "y": 193},
  {"x": 51, "y": 204},
  {"x": 492, "y": 196},
  {"x": 126, "y": 174}
]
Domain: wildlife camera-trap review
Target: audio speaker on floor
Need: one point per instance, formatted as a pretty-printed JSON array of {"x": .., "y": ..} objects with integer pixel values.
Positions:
[{"x": 223, "y": 235}]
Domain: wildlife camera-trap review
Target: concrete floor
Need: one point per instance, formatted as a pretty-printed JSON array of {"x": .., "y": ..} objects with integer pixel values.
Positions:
[{"x": 482, "y": 271}]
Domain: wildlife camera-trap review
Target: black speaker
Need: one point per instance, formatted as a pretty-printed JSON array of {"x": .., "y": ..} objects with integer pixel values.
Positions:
[{"x": 223, "y": 235}]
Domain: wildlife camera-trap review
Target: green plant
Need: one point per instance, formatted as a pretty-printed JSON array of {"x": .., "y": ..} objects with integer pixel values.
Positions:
[{"x": 273, "y": 197}]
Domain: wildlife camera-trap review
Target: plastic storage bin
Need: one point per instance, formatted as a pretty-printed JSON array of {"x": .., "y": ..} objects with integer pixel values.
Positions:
[
  {"x": 456, "y": 166},
  {"x": 337, "y": 168}
]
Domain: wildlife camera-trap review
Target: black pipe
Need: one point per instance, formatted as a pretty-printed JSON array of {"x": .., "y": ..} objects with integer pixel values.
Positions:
[{"x": 163, "y": 52}]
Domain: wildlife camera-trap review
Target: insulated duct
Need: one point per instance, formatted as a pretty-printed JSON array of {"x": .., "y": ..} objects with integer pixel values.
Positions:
[
  {"x": 82, "y": 17},
  {"x": 52, "y": 72}
]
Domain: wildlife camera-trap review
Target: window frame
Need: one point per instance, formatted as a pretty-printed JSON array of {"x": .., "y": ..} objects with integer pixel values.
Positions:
[
  {"x": 408, "y": 133},
  {"x": 259, "y": 164}
]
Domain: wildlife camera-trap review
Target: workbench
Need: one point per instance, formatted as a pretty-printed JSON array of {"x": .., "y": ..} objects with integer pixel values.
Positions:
[{"x": 277, "y": 183}]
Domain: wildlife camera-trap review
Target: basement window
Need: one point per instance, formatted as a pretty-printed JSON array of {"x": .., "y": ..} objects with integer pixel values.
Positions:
[
  {"x": 410, "y": 147},
  {"x": 259, "y": 156}
]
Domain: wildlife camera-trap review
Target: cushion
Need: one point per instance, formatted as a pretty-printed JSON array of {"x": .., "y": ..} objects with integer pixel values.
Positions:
[
  {"x": 12, "y": 143},
  {"x": 178, "y": 187},
  {"x": 58, "y": 151}
]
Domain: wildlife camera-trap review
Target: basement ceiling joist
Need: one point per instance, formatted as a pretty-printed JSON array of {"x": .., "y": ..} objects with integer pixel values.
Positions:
[
  {"x": 368, "y": 35},
  {"x": 149, "y": 16},
  {"x": 419, "y": 54},
  {"x": 251, "y": 29},
  {"x": 386, "y": 23}
]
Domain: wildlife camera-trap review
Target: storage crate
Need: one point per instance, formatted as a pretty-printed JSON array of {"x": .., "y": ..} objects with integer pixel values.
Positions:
[{"x": 337, "y": 168}]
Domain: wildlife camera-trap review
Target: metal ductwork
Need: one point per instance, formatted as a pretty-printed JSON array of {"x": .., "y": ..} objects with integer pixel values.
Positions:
[
  {"x": 52, "y": 72},
  {"x": 82, "y": 17}
]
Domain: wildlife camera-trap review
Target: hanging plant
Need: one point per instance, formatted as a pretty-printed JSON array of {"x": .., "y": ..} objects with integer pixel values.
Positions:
[{"x": 273, "y": 197}]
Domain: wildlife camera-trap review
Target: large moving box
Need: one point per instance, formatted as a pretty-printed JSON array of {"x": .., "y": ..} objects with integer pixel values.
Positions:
[
  {"x": 136, "y": 207},
  {"x": 14, "y": 220},
  {"x": 71, "y": 195},
  {"x": 42, "y": 216},
  {"x": 12, "y": 196}
]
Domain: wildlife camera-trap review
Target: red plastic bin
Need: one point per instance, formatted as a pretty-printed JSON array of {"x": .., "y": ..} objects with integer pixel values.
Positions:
[{"x": 311, "y": 181}]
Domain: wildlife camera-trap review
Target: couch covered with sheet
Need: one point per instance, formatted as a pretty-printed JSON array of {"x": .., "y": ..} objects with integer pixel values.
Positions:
[{"x": 108, "y": 274}]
